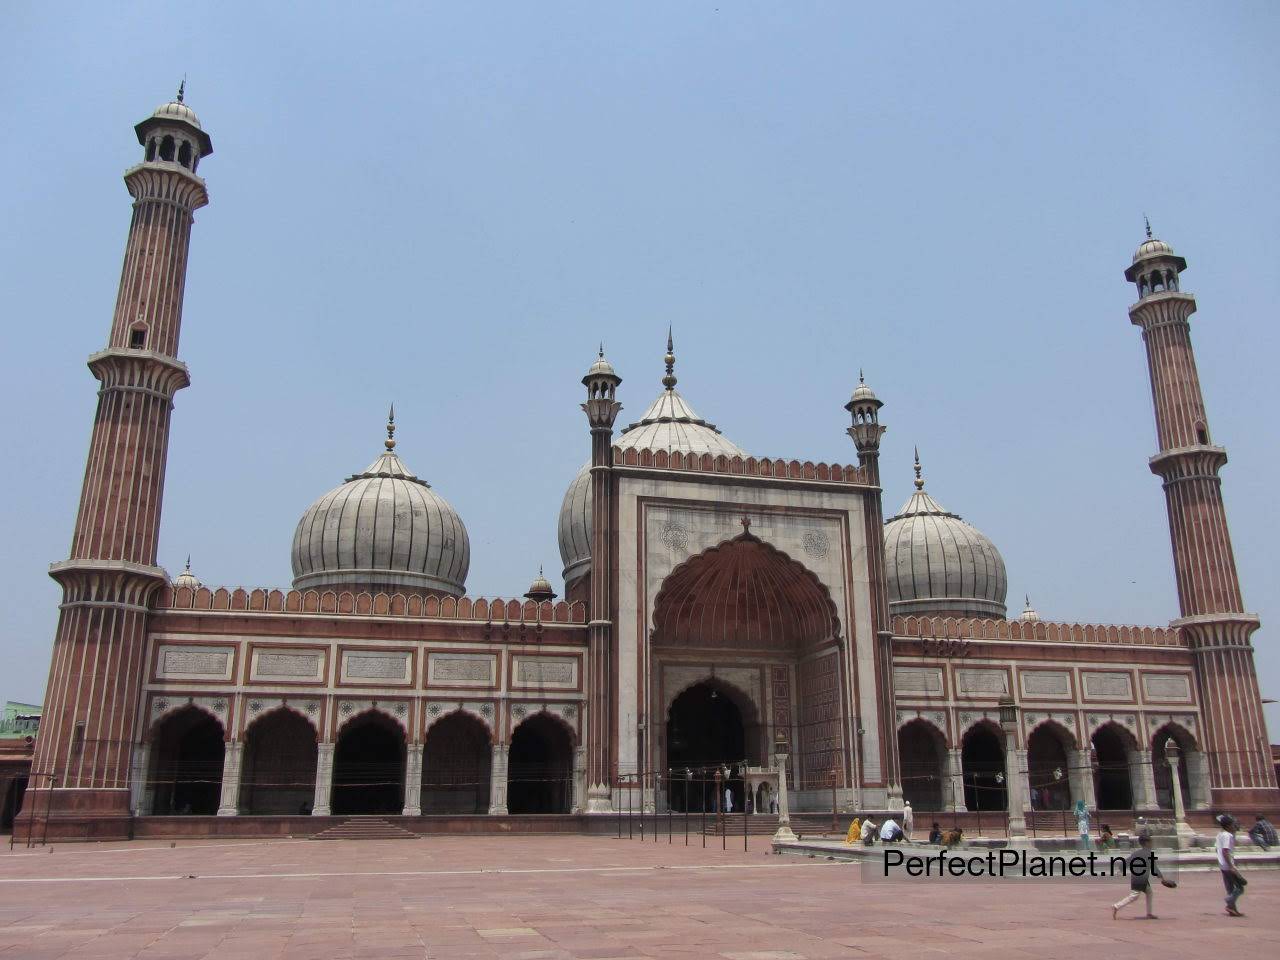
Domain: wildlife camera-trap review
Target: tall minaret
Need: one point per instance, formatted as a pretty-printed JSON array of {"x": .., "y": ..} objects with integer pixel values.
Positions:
[
  {"x": 89, "y": 723},
  {"x": 1213, "y": 617},
  {"x": 866, "y": 431},
  {"x": 602, "y": 410}
]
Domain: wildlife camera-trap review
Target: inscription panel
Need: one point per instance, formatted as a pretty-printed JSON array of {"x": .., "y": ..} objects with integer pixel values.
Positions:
[
  {"x": 917, "y": 680},
  {"x": 461, "y": 669},
  {"x": 194, "y": 663},
  {"x": 288, "y": 665},
  {"x": 1107, "y": 686},
  {"x": 1167, "y": 687},
  {"x": 982, "y": 682},
  {"x": 545, "y": 672},
  {"x": 1046, "y": 684},
  {"x": 375, "y": 666}
]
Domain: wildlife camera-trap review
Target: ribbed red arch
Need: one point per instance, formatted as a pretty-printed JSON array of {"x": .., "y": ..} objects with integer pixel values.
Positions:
[{"x": 746, "y": 594}]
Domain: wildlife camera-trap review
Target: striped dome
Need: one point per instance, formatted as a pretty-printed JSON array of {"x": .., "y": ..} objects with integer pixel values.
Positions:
[
  {"x": 937, "y": 564},
  {"x": 384, "y": 529}
]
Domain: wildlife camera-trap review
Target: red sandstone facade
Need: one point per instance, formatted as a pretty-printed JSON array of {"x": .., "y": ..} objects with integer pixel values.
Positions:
[{"x": 754, "y": 590}]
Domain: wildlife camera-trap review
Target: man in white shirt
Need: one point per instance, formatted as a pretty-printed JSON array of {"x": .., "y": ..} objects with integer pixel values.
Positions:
[
  {"x": 890, "y": 832},
  {"x": 1225, "y": 846},
  {"x": 868, "y": 834},
  {"x": 908, "y": 820}
]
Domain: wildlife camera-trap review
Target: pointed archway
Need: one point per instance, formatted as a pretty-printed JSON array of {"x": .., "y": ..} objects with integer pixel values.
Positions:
[
  {"x": 982, "y": 757},
  {"x": 540, "y": 766},
  {"x": 745, "y": 609},
  {"x": 456, "y": 760},
  {"x": 1049, "y": 768},
  {"x": 1113, "y": 783},
  {"x": 368, "y": 766},
  {"x": 187, "y": 751},
  {"x": 279, "y": 768},
  {"x": 706, "y": 731},
  {"x": 921, "y": 750}
]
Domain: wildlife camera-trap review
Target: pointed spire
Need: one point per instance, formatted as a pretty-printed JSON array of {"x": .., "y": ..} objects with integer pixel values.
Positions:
[
  {"x": 601, "y": 354},
  {"x": 182, "y": 88},
  {"x": 669, "y": 381},
  {"x": 390, "y": 442},
  {"x": 1148, "y": 225},
  {"x": 861, "y": 378},
  {"x": 919, "y": 480},
  {"x": 188, "y": 567}
]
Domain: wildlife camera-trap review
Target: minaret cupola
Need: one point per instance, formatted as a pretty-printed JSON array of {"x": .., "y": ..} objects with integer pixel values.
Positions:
[{"x": 172, "y": 134}]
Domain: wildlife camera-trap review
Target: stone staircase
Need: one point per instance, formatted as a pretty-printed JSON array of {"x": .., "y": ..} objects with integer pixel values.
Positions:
[{"x": 365, "y": 828}]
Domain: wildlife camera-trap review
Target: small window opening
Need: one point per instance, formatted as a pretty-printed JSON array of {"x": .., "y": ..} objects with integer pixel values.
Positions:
[
  {"x": 184, "y": 155},
  {"x": 137, "y": 338},
  {"x": 166, "y": 148},
  {"x": 151, "y": 149},
  {"x": 1202, "y": 434}
]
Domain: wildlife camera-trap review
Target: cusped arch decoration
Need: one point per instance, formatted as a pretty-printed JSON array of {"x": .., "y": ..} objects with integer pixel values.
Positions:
[
  {"x": 1065, "y": 734},
  {"x": 1125, "y": 731},
  {"x": 743, "y": 593},
  {"x": 554, "y": 712},
  {"x": 928, "y": 722},
  {"x": 748, "y": 705},
  {"x": 436, "y": 712},
  {"x": 1172, "y": 728},
  {"x": 163, "y": 707},
  {"x": 396, "y": 711},
  {"x": 981, "y": 723},
  {"x": 261, "y": 708}
]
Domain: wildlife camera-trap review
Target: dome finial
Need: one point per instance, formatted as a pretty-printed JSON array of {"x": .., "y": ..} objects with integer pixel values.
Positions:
[
  {"x": 1148, "y": 225},
  {"x": 919, "y": 480},
  {"x": 861, "y": 378},
  {"x": 601, "y": 353},
  {"x": 390, "y": 442},
  {"x": 182, "y": 88},
  {"x": 188, "y": 567},
  {"x": 669, "y": 381}
]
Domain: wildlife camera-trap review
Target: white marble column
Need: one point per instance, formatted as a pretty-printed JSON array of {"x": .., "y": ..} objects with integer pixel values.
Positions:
[
  {"x": 231, "y": 759},
  {"x": 498, "y": 781},
  {"x": 1142, "y": 779},
  {"x": 1198, "y": 779},
  {"x": 955, "y": 780},
  {"x": 784, "y": 833},
  {"x": 413, "y": 780},
  {"x": 139, "y": 789},
  {"x": 579, "y": 780},
  {"x": 1081, "y": 778},
  {"x": 1015, "y": 775},
  {"x": 324, "y": 780}
]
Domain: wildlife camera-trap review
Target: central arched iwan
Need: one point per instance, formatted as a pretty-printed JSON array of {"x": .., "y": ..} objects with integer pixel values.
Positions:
[{"x": 744, "y": 595}]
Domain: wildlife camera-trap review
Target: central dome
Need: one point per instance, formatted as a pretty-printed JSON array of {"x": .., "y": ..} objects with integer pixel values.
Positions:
[
  {"x": 669, "y": 424},
  {"x": 384, "y": 529},
  {"x": 936, "y": 564}
]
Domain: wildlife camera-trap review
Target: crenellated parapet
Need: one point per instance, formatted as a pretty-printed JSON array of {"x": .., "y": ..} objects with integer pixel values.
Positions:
[
  {"x": 740, "y": 466},
  {"x": 952, "y": 628},
  {"x": 363, "y": 604}
]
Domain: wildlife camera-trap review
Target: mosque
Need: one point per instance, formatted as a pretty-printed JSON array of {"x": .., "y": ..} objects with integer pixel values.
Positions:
[{"x": 721, "y": 607}]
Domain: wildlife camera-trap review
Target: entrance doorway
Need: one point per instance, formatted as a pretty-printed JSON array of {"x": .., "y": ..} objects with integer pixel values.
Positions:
[
  {"x": 186, "y": 764},
  {"x": 368, "y": 767},
  {"x": 279, "y": 775},
  {"x": 920, "y": 751},
  {"x": 705, "y": 731},
  {"x": 540, "y": 767},
  {"x": 982, "y": 759},
  {"x": 1113, "y": 787},
  {"x": 1048, "y": 769},
  {"x": 1160, "y": 771},
  {"x": 455, "y": 766}
]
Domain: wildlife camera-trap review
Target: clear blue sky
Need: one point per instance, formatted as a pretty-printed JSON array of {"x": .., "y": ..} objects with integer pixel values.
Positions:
[{"x": 447, "y": 206}]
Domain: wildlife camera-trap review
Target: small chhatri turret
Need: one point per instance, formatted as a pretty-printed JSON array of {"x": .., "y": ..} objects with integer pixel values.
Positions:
[
  {"x": 186, "y": 578},
  {"x": 1029, "y": 614},
  {"x": 540, "y": 589}
]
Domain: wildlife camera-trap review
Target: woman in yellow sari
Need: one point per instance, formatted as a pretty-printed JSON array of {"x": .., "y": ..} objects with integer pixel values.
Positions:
[{"x": 855, "y": 829}]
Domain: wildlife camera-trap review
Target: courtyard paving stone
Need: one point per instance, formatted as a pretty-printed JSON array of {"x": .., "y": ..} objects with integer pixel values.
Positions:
[{"x": 571, "y": 898}]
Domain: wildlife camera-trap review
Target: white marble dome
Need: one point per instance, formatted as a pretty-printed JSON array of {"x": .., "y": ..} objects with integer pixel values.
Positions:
[
  {"x": 384, "y": 529},
  {"x": 177, "y": 110},
  {"x": 936, "y": 564},
  {"x": 669, "y": 424}
]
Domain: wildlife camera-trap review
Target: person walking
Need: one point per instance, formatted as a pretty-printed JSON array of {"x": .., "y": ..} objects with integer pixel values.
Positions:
[
  {"x": 1141, "y": 867},
  {"x": 728, "y": 800},
  {"x": 1232, "y": 880},
  {"x": 908, "y": 820}
]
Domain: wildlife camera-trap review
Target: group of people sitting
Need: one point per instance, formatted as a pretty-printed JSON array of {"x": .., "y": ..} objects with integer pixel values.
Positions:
[{"x": 868, "y": 831}]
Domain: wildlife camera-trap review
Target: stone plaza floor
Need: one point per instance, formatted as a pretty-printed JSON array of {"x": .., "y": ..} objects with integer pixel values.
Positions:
[{"x": 592, "y": 898}]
